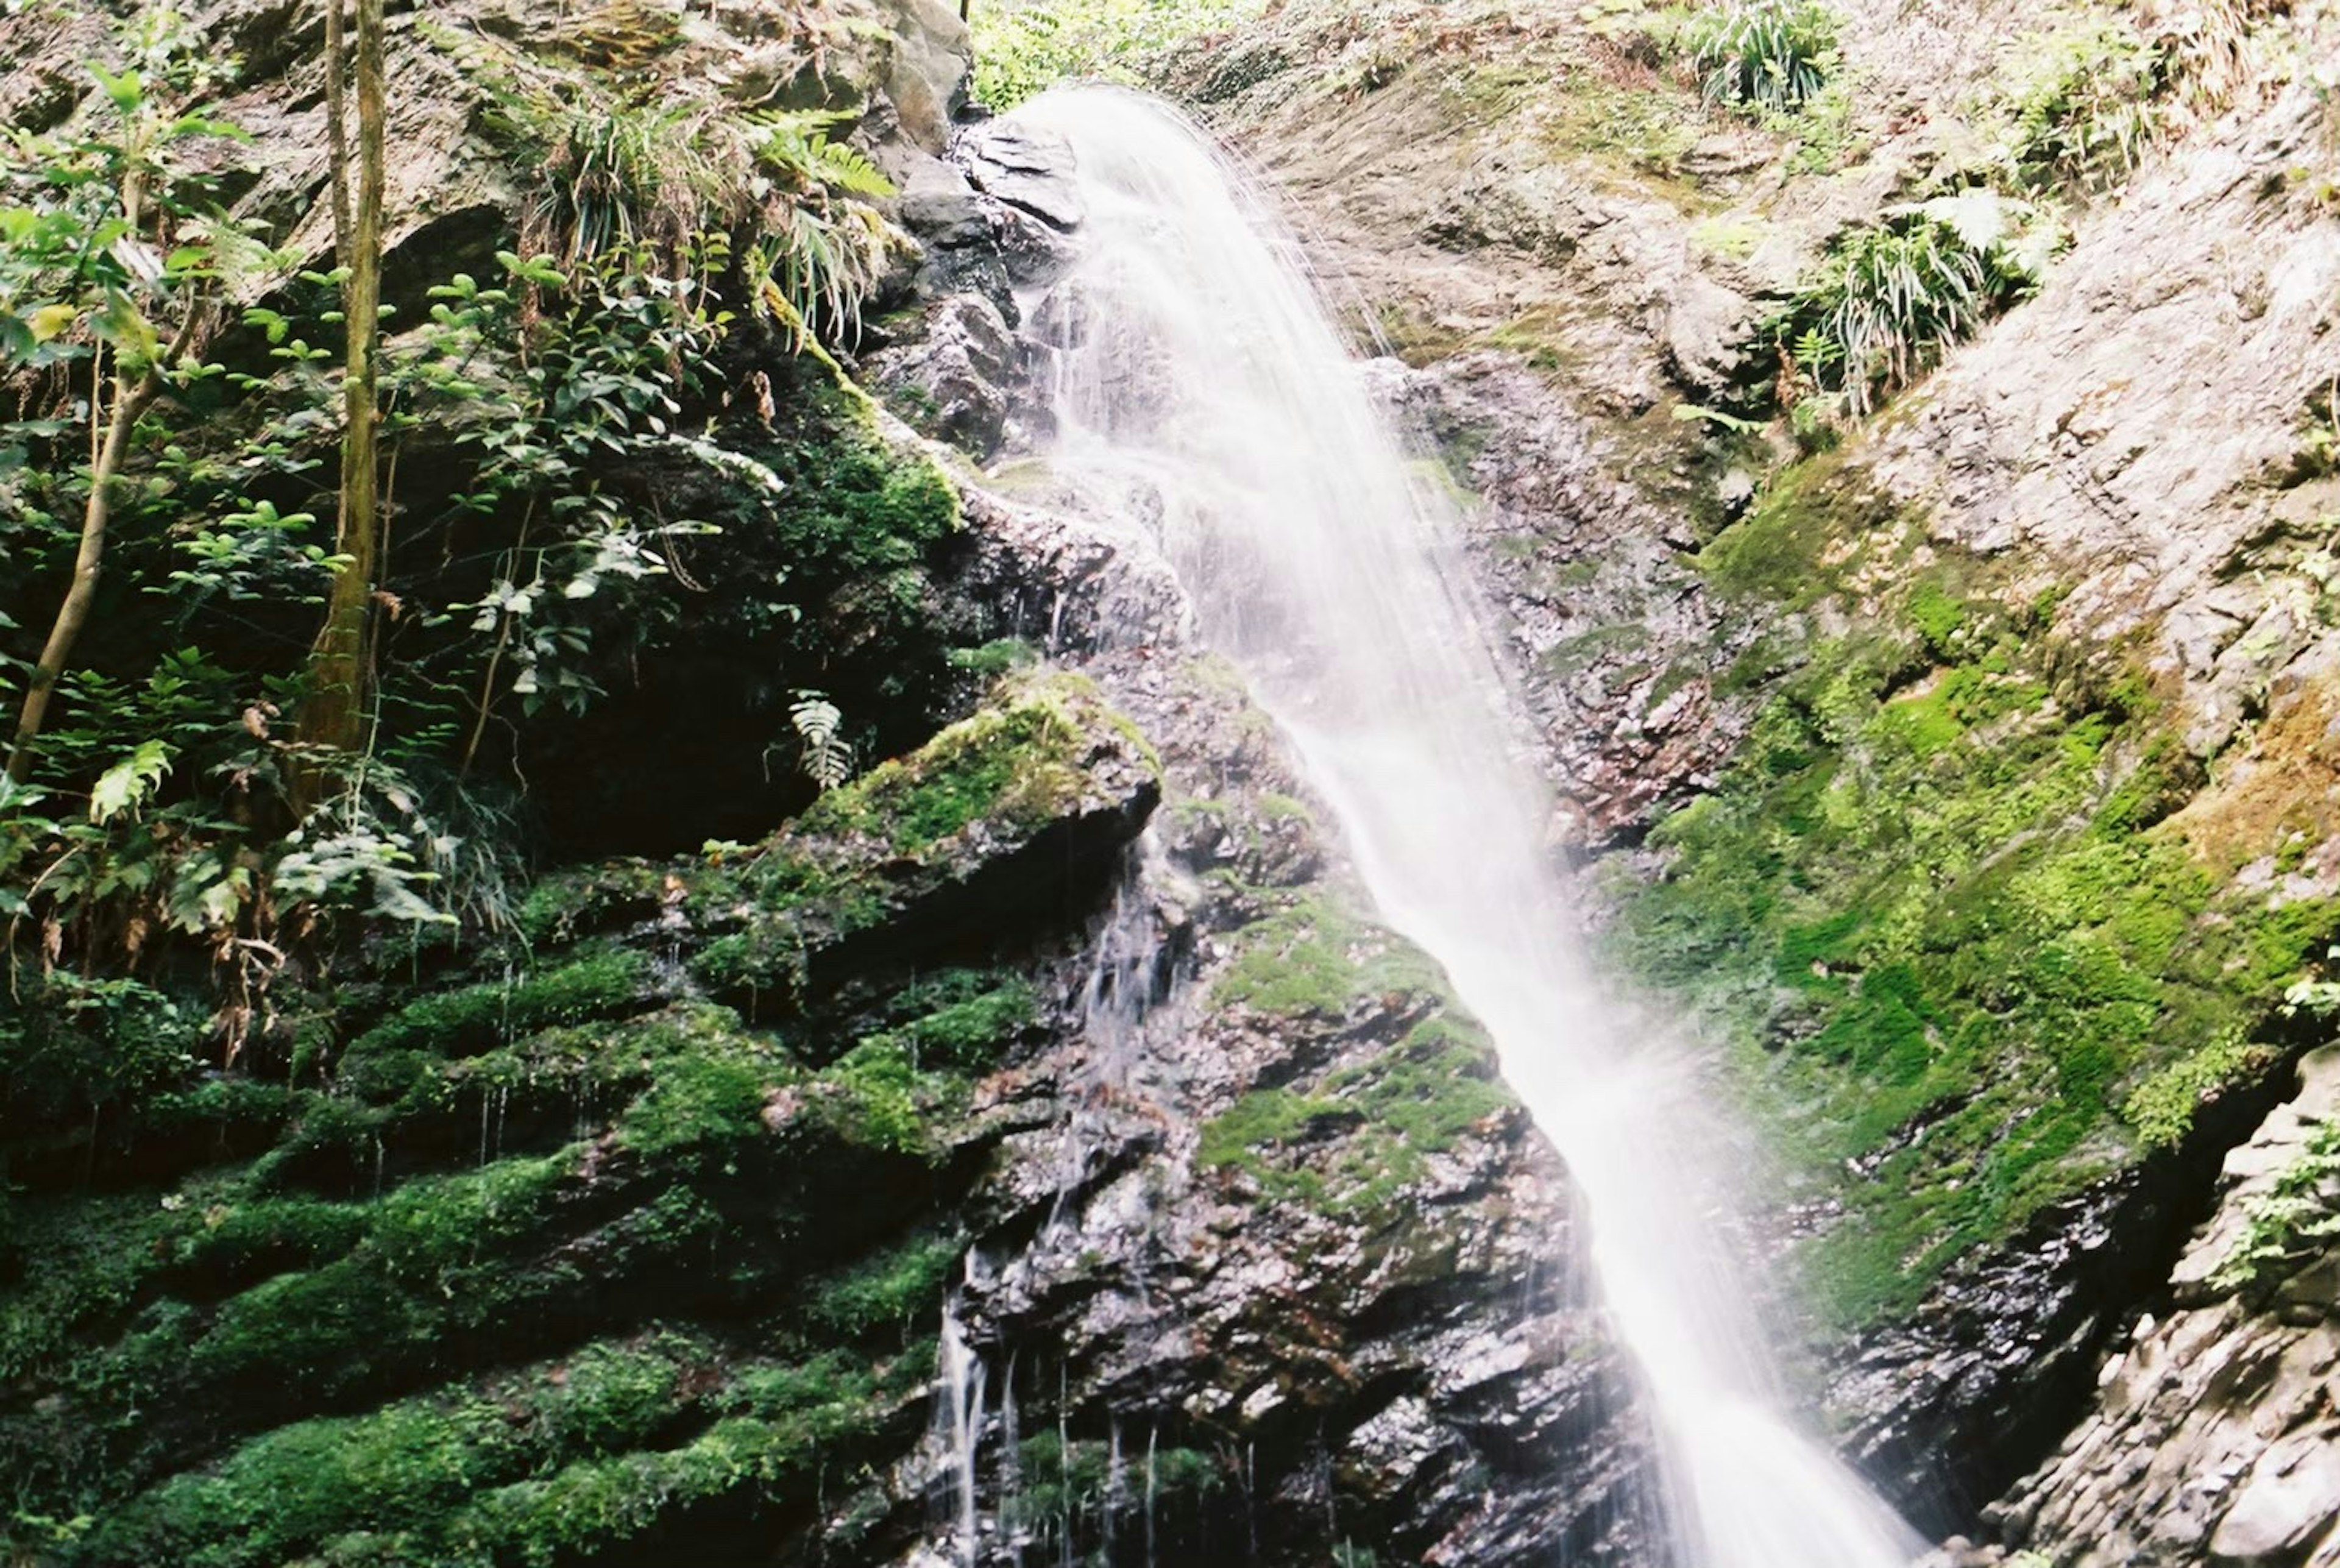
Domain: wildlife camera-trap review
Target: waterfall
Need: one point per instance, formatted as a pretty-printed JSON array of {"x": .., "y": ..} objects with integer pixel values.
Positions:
[
  {"x": 960, "y": 1421},
  {"x": 1198, "y": 378}
]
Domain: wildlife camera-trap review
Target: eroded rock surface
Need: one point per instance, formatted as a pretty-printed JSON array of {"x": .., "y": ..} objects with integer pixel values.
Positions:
[{"x": 2215, "y": 1433}]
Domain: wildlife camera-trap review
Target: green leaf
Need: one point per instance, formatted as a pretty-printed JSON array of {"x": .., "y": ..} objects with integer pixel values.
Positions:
[
  {"x": 51, "y": 319},
  {"x": 126, "y": 90},
  {"x": 130, "y": 781},
  {"x": 1685, "y": 412}
]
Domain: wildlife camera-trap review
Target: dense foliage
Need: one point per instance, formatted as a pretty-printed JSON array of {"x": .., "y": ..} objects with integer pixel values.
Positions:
[
  {"x": 1884, "y": 302},
  {"x": 616, "y": 460},
  {"x": 1024, "y": 47},
  {"x": 485, "y": 1217},
  {"x": 1769, "y": 54}
]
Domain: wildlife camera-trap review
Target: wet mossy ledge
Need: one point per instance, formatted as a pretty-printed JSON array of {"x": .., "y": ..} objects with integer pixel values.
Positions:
[
  {"x": 632, "y": 1229},
  {"x": 1967, "y": 955},
  {"x": 1407, "y": 1076}
]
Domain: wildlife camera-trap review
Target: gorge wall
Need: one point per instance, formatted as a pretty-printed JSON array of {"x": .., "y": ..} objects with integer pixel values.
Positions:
[
  {"x": 1888, "y": 742},
  {"x": 1963, "y": 770}
]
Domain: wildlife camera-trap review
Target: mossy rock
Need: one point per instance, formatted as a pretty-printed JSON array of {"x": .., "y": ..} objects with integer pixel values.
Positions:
[
  {"x": 1960, "y": 970},
  {"x": 999, "y": 819}
]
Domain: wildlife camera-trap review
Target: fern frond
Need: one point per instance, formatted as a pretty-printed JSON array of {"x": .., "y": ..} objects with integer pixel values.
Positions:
[{"x": 822, "y": 754}]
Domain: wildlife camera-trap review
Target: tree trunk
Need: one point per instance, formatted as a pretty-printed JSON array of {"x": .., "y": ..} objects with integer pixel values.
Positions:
[
  {"x": 130, "y": 400},
  {"x": 131, "y": 396},
  {"x": 334, "y": 715}
]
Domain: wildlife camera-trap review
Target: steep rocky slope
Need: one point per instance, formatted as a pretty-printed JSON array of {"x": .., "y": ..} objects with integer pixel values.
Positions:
[
  {"x": 1967, "y": 762},
  {"x": 1036, "y": 1126},
  {"x": 1042, "y": 1120},
  {"x": 2213, "y": 1432}
]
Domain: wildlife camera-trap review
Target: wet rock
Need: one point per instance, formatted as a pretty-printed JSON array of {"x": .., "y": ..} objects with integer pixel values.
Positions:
[
  {"x": 1069, "y": 582},
  {"x": 957, "y": 377},
  {"x": 1617, "y": 639},
  {"x": 1025, "y": 168},
  {"x": 2214, "y": 1437}
]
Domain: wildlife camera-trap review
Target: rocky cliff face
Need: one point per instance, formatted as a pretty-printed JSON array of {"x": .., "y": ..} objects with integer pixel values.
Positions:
[
  {"x": 1034, "y": 1147},
  {"x": 1876, "y": 740},
  {"x": 1040, "y": 1132},
  {"x": 2212, "y": 1437}
]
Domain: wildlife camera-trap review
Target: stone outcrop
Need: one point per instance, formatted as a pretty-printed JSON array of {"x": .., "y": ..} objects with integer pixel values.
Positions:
[
  {"x": 1572, "y": 258},
  {"x": 2215, "y": 1433}
]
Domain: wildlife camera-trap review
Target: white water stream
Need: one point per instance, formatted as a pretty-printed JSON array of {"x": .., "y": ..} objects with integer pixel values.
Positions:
[{"x": 1198, "y": 371}]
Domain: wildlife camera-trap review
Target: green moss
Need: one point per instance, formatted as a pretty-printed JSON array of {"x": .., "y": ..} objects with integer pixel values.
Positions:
[
  {"x": 74, "y": 1260},
  {"x": 531, "y": 1468},
  {"x": 969, "y": 1035},
  {"x": 1017, "y": 765},
  {"x": 1932, "y": 910},
  {"x": 1313, "y": 957},
  {"x": 898, "y": 1287},
  {"x": 608, "y": 1064},
  {"x": 706, "y": 1091},
  {"x": 458, "y": 1022},
  {"x": 1019, "y": 759},
  {"x": 1274, "y": 807},
  {"x": 1353, "y": 1142},
  {"x": 876, "y": 1097},
  {"x": 1571, "y": 656},
  {"x": 574, "y": 901},
  {"x": 1792, "y": 547},
  {"x": 1262, "y": 1121},
  {"x": 997, "y": 659},
  {"x": 1938, "y": 617},
  {"x": 852, "y": 501},
  {"x": 2162, "y": 1107}
]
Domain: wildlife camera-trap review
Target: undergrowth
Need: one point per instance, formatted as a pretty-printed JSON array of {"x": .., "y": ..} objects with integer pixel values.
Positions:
[
  {"x": 1771, "y": 54},
  {"x": 1021, "y": 49},
  {"x": 2300, "y": 1210},
  {"x": 1888, "y": 299}
]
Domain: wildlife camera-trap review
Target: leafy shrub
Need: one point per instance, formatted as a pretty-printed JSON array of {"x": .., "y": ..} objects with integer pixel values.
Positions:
[
  {"x": 2082, "y": 104},
  {"x": 619, "y": 171},
  {"x": 1021, "y": 50},
  {"x": 1887, "y": 300},
  {"x": 2301, "y": 1209},
  {"x": 1766, "y": 54}
]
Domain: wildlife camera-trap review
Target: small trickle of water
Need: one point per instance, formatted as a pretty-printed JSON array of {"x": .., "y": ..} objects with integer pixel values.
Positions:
[
  {"x": 959, "y": 1398},
  {"x": 1152, "y": 1434},
  {"x": 1200, "y": 380},
  {"x": 1011, "y": 1464}
]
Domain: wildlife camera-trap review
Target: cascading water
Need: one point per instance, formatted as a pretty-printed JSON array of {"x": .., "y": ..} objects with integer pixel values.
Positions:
[{"x": 1198, "y": 372}]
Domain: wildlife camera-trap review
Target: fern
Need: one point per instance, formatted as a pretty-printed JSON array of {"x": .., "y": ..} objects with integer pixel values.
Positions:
[
  {"x": 1886, "y": 300},
  {"x": 822, "y": 754},
  {"x": 126, "y": 784},
  {"x": 2301, "y": 1209},
  {"x": 2082, "y": 105},
  {"x": 621, "y": 171},
  {"x": 797, "y": 146}
]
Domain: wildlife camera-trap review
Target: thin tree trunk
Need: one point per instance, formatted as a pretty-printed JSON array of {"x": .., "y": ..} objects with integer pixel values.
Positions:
[
  {"x": 130, "y": 400},
  {"x": 337, "y": 124},
  {"x": 131, "y": 394},
  {"x": 333, "y": 717}
]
